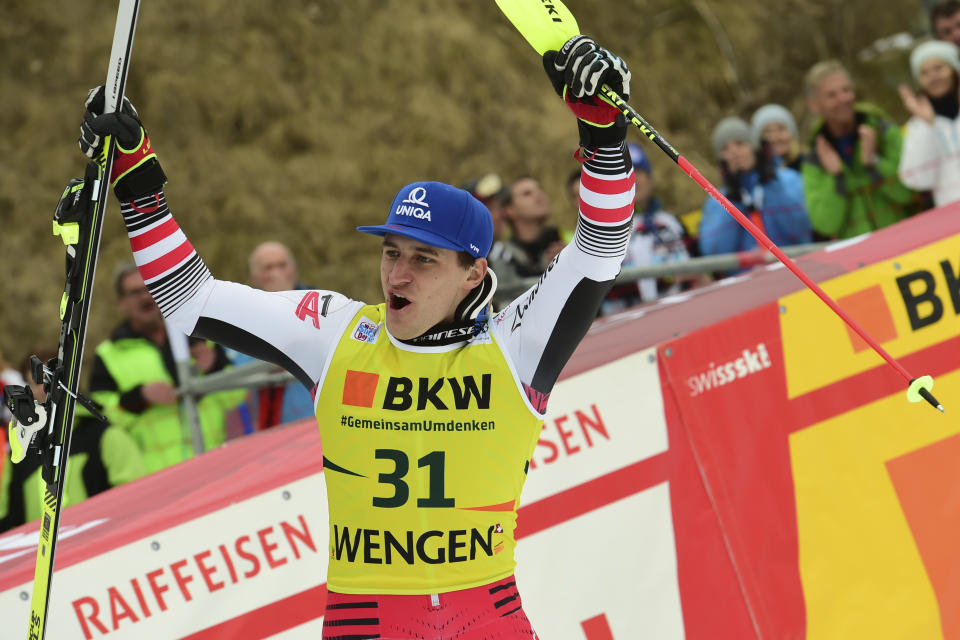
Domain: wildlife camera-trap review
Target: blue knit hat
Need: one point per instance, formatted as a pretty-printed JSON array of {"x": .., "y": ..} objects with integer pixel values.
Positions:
[
  {"x": 639, "y": 157},
  {"x": 441, "y": 216}
]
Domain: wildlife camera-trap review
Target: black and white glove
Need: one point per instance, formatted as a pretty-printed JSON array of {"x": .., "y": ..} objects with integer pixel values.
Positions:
[
  {"x": 136, "y": 170},
  {"x": 583, "y": 66},
  {"x": 577, "y": 72},
  {"x": 124, "y": 125}
]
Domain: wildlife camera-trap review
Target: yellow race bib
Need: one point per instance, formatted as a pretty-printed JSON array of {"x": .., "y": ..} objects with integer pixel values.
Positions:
[{"x": 425, "y": 455}]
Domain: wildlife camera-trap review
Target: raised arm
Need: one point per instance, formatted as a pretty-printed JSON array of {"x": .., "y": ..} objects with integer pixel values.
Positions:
[
  {"x": 540, "y": 330},
  {"x": 294, "y": 329}
]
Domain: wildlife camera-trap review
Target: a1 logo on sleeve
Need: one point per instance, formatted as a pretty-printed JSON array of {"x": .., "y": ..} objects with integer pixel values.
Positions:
[{"x": 366, "y": 331}]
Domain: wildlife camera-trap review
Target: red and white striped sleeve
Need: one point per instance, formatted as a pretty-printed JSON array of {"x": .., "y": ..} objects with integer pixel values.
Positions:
[
  {"x": 607, "y": 190},
  {"x": 168, "y": 263},
  {"x": 540, "y": 330},
  {"x": 294, "y": 329}
]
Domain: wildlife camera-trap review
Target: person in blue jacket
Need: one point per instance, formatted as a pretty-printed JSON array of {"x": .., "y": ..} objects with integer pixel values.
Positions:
[{"x": 772, "y": 197}]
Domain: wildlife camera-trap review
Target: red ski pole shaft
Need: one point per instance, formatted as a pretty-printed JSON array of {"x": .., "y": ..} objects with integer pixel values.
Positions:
[
  {"x": 637, "y": 120},
  {"x": 768, "y": 244}
]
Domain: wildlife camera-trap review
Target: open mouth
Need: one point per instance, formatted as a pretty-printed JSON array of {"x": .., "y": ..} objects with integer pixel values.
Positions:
[{"x": 398, "y": 302}]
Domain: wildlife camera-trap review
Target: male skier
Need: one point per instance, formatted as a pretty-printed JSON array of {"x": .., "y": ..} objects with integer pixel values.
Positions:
[{"x": 429, "y": 408}]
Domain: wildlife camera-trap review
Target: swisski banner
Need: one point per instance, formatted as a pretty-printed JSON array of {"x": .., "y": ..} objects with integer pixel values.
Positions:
[
  {"x": 835, "y": 495},
  {"x": 729, "y": 463}
]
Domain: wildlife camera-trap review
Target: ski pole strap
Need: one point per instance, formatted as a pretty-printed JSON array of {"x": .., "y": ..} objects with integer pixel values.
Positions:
[{"x": 136, "y": 172}]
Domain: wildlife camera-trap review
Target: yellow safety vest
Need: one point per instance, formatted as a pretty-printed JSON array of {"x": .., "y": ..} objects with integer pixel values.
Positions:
[
  {"x": 425, "y": 455},
  {"x": 163, "y": 438}
]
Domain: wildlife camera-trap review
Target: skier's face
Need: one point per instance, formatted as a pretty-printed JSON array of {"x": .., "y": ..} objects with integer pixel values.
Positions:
[{"x": 422, "y": 285}]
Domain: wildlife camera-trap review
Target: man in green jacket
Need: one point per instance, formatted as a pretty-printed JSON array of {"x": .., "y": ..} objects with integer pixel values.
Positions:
[
  {"x": 850, "y": 173},
  {"x": 101, "y": 457},
  {"x": 134, "y": 378}
]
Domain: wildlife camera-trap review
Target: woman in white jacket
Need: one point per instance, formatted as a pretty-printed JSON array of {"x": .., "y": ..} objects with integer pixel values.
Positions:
[{"x": 930, "y": 160}]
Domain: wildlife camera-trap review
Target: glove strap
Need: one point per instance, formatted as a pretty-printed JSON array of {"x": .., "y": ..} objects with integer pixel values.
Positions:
[
  {"x": 596, "y": 111},
  {"x": 137, "y": 171},
  {"x": 125, "y": 161}
]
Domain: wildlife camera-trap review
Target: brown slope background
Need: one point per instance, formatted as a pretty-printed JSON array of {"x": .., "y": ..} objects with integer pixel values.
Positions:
[{"x": 298, "y": 120}]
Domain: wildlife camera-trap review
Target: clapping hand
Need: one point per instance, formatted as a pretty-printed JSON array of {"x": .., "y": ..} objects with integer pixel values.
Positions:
[
  {"x": 868, "y": 145},
  {"x": 828, "y": 156},
  {"x": 917, "y": 105}
]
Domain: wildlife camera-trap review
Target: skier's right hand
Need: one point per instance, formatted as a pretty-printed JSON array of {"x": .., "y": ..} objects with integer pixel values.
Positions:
[
  {"x": 136, "y": 171},
  {"x": 124, "y": 125}
]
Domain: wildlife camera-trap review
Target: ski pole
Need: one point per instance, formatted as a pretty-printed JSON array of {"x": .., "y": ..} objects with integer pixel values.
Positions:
[
  {"x": 917, "y": 386},
  {"x": 548, "y": 25}
]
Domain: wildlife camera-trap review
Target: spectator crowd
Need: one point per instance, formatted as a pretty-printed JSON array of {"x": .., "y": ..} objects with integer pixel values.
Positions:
[{"x": 855, "y": 171}]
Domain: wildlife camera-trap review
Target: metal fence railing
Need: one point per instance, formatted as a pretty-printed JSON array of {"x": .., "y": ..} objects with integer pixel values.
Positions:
[
  {"x": 256, "y": 374},
  {"x": 707, "y": 264}
]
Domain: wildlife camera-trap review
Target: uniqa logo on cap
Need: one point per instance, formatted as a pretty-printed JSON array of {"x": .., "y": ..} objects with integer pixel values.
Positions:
[{"x": 415, "y": 205}]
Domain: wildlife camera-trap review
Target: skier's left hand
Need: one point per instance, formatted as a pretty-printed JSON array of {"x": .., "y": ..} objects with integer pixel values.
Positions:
[
  {"x": 577, "y": 72},
  {"x": 583, "y": 66},
  {"x": 136, "y": 170}
]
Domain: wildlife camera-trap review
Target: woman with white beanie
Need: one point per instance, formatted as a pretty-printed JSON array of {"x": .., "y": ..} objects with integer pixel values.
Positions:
[
  {"x": 774, "y": 130},
  {"x": 930, "y": 160}
]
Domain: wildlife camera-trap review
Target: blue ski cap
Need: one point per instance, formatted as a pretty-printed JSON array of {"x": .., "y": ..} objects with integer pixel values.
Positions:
[
  {"x": 639, "y": 157},
  {"x": 441, "y": 216}
]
